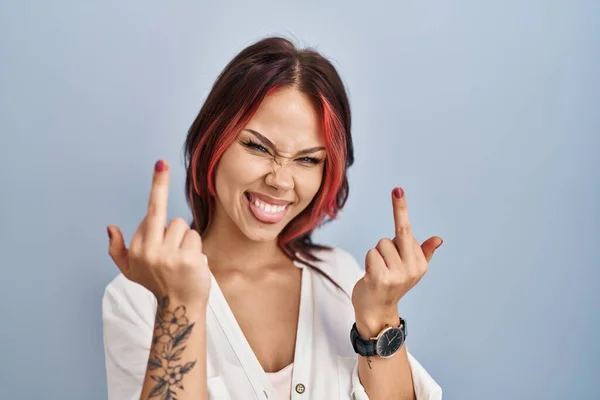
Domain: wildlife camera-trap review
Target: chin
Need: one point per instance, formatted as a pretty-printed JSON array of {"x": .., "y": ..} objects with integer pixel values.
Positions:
[{"x": 258, "y": 234}]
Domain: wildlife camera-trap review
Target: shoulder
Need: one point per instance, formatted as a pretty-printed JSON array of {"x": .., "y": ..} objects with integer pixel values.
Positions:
[
  {"x": 339, "y": 266},
  {"x": 124, "y": 299}
]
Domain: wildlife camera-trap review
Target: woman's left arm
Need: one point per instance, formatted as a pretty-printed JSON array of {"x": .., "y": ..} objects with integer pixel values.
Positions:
[{"x": 392, "y": 268}]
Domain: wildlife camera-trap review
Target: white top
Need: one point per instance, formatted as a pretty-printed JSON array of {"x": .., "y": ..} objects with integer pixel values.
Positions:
[
  {"x": 325, "y": 365},
  {"x": 282, "y": 382}
]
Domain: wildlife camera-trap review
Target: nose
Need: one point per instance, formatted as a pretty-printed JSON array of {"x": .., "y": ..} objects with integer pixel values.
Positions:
[{"x": 280, "y": 178}]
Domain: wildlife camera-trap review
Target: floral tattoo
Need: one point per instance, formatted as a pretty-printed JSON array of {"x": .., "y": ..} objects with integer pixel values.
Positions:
[{"x": 171, "y": 331}]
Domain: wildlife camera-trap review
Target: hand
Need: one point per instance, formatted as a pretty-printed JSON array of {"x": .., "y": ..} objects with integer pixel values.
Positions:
[
  {"x": 392, "y": 268},
  {"x": 166, "y": 261}
]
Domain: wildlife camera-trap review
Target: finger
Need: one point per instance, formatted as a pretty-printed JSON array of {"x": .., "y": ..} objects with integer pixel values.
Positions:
[
  {"x": 430, "y": 246},
  {"x": 404, "y": 237},
  {"x": 117, "y": 250},
  {"x": 192, "y": 241},
  {"x": 156, "y": 219},
  {"x": 375, "y": 269},
  {"x": 175, "y": 233},
  {"x": 389, "y": 253},
  {"x": 137, "y": 239}
]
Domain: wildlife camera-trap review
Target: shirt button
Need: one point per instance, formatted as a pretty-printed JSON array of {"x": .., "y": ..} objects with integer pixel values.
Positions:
[{"x": 300, "y": 388}]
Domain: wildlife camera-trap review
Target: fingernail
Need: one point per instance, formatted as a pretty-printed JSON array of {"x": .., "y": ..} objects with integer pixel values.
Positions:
[
  {"x": 398, "y": 193},
  {"x": 109, "y": 233},
  {"x": 159, "y": 166}
]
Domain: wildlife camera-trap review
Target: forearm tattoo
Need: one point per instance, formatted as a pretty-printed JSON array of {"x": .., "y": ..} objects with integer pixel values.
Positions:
[{"x": 171, "y": 332}]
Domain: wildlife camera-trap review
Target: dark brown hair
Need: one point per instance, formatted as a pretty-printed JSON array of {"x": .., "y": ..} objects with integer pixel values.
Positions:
[{"x": 257, "y": 71}]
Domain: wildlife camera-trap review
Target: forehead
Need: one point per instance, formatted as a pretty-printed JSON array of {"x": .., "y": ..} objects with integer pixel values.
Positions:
[{"x": 289, "y": 119}]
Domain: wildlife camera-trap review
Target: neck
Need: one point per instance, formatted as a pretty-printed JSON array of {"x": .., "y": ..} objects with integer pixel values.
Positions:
[{"x": 228, "y": 249}]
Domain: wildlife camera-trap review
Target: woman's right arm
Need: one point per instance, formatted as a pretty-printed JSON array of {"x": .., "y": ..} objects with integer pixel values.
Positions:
[
  {"x": 177, "y": 361},
  {"x": 168, "y": 262},
  {"x": 130, "y": 342}
]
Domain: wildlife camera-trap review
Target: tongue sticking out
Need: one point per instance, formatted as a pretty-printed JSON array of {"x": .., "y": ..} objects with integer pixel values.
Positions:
[{"x": 265, "y": 212}]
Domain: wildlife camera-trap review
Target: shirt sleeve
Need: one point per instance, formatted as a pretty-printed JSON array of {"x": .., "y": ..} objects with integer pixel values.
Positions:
[
  {"x": 126, "y": 314},
  {"x": 425, "y": 387}
]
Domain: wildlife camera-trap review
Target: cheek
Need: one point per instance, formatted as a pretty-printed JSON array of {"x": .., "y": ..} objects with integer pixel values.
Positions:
[
  {"x": 309, "y": 184},
  {"x": 238, "y": 168}
]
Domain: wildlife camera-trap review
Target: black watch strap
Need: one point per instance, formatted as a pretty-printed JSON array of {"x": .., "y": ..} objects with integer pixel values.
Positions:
[{"x": 366, "y": 348}]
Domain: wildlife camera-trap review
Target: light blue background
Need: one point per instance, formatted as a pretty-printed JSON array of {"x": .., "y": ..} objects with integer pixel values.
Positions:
[{"x": 487, "y": 113}]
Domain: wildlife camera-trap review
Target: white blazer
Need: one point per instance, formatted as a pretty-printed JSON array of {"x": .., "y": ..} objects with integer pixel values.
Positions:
[{"x": 325, "y": 365}]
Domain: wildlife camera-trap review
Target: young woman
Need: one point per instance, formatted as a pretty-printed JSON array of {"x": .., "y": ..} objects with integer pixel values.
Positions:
[{"x": 242, "y": 304}]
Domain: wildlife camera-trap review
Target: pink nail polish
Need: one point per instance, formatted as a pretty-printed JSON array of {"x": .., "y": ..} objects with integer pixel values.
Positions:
[
  {"x": 159, "y": 166},
  {"x": 398, "y": 193}
]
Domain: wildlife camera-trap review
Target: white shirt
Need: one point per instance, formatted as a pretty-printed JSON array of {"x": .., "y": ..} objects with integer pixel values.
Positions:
[
  {"x": 282, "y": 382},
  {"x": 325, "y": 365}
]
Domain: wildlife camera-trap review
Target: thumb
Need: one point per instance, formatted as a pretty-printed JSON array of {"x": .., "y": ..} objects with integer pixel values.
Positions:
[
  {"x": 117, "y": 250},
  {"x": 430, "y": 246}
]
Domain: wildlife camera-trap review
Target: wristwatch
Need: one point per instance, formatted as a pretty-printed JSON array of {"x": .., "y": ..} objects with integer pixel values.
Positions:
[{"x": 384, "y": 345}]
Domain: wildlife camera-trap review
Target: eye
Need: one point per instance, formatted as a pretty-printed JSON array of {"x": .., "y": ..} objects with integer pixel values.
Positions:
[
  {"x": 309, "y": 160},
  {"x": 258, "y": 147}
]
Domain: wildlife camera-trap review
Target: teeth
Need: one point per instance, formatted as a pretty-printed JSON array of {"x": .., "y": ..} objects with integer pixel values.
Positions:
[{"x": 268, "y": 208}]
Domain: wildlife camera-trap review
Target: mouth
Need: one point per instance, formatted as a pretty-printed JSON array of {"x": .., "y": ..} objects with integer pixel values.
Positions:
[{"x": 265, "y": 211}]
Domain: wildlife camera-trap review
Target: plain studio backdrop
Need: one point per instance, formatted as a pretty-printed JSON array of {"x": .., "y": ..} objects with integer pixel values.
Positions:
[{"x": 486, "y": 113}]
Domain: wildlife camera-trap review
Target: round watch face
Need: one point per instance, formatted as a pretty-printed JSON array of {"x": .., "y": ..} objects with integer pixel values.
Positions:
[{"x": 389, "y": 342}]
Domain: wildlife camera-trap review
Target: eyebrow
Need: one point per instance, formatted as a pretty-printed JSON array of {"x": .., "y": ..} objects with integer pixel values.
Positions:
[{"x": 267, "y": 142}]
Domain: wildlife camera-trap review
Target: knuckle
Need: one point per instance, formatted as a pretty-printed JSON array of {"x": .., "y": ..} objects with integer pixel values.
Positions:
[
  {"x": 414, "y": 276},
  {"x": 384, "y": 243},
  {"x": 401, "y": 278},
  {"x": 383, "y": 282},
  {"x": 179, "y": 221},
  {"x": 112, "y": 251},
  {"x": 404, "y": 230},
  {"x": 411, "y": 276},
  {"x": 151, "y": 257},
  {"x": 189, "y": 259},
  {"x": 135, "y": 252},
  {"x": 194, "y": 233},
  {"x": 172, "y": 260},
  {"x": 372, "y": 255},
  {"x": 196, "y": 239},
  {"x": 152, "y": 210}
]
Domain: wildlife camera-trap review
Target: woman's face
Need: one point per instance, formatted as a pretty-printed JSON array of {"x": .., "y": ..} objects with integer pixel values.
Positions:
[{"x": 273, "y": 170}]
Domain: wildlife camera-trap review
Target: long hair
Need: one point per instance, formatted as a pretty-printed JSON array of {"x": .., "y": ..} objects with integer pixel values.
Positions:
[{"x": 257, "y": 71}]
